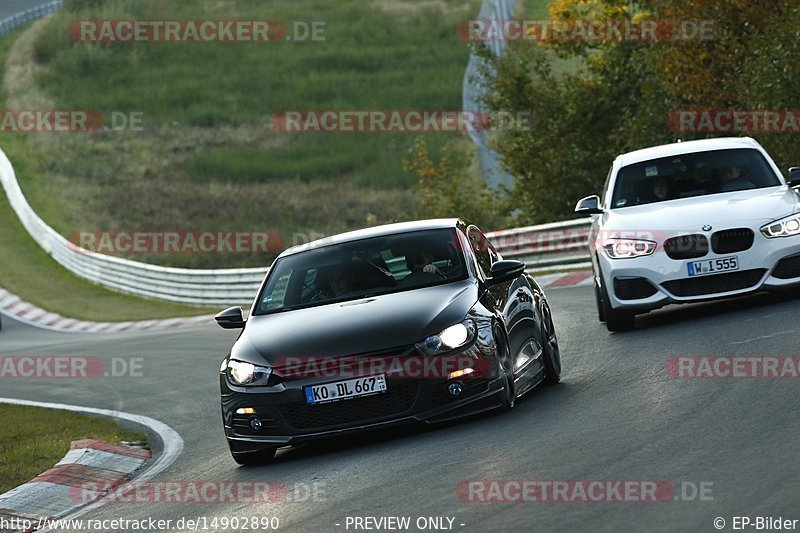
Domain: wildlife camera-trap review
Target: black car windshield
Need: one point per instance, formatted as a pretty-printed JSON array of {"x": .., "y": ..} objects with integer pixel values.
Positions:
[
  {"x": 689, "y": 175},
  {"x": 358, "y": 269}
]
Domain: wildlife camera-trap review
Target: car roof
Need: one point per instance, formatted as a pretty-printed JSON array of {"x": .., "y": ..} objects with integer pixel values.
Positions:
[
  {"x": 703, "y": 145},
  {"x": 378, "y": 231}
]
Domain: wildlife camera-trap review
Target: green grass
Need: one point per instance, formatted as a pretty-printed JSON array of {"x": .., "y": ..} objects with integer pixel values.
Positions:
[
  {"x": 536, "y": 9},
  {"x": 209, "y": 157},
  {"x": 370, "y": 57},
  {"x": 33, "y": 439},
  {"x": 27, "y": 271}
]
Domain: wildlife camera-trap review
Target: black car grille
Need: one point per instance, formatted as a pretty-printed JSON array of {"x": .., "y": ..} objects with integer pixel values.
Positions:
[
  {"x": 788, "y": 268},
  {"x": 686, "y": 246},
  {"x": 399, "y": 397},
  {"x": 633, "y": 288},
  {"x": 702, "y": 285},
  {"x": 732, "y": 240}
]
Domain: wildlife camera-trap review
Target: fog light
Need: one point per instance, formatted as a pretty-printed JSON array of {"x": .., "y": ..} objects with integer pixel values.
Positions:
[
  {"x": 459, "y": 373},
  {"x": 245, "y": 411},
  {"x": 455, "y": 388},
  {"x": 255, "y": 423}
]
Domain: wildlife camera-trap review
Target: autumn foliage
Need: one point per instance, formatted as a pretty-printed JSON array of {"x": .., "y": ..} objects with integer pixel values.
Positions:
[{"x": 594, "y": 100}]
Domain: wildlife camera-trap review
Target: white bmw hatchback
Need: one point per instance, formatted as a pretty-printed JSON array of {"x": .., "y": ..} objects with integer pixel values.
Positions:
[{"x": 691, "y": 221}]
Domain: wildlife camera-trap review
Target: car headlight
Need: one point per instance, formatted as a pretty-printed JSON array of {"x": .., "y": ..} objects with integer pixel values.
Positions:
[
  {"x": 247, "y": 374},
  {"x": 628, "y": 248},
  {"x": 449, "y": 339},
  {"x": 782, "y": 228}
]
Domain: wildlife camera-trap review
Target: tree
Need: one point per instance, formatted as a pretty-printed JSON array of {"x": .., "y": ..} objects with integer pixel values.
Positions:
[
  {"x": 595, "y": 99},
  {"x": 446, "y": 187}
]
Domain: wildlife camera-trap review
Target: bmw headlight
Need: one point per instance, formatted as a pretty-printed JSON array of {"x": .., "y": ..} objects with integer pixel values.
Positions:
[
  {"x": 782, "y": 228},
  {"x": 247, "y": 374},
  {"x": 628, "y": 248},
  {"x": 449, "y": 339}
]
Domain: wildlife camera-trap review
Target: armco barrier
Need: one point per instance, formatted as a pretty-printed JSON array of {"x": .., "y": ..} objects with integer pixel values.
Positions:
[
  {"x": 547, "y": 247},
  {"x": 555, "y": 246},
  {"x": 13, "y": 22},
  {"x": 211, "y": 287}
]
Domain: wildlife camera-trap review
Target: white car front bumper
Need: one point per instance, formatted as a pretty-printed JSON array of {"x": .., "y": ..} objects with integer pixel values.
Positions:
[{"x": 626, "y": 280}]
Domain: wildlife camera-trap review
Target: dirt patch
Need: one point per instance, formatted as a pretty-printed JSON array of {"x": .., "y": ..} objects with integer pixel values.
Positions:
[{"x": 19, "y": 79}]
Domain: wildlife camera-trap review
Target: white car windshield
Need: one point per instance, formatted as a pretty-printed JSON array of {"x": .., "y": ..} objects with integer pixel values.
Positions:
[{"x": 690, "y": 175}]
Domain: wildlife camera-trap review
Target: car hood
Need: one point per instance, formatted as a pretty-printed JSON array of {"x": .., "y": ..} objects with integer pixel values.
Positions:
[
  {"x": 359, "y": 326},
  {"x": 752, "y": 208}
]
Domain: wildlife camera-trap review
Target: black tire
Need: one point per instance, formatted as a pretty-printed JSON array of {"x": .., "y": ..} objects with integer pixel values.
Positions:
[
  {"x": 617, "y": 320},
  {"x": 254, "y": 458},
  {"x": 552, "y": 353},
  {"x": 598, "y": 298}
]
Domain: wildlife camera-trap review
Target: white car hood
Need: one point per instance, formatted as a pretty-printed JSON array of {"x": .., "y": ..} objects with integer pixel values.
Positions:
[{"x": 751, "y": 208}]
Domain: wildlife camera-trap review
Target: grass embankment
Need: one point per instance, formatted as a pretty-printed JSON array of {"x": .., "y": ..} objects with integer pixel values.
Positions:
[
  {"x": 33, "y": 439},
  {"x": 209, "y": 157},
  {"x": 26, "y": 270}
]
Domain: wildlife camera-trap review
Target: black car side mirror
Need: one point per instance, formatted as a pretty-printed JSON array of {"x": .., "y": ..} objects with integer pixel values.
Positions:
[
  {"x": 230, "y": 318},
  {"x": 589, "y": 206},
  {"x": 794, "y": 176},
  {"x": 505, "y": 270}
]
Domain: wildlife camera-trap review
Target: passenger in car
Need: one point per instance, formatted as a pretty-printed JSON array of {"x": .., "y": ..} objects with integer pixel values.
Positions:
[
  {"x": 661, "y": 189},
  {"x": 733, "y": 179},
  {"x": 341, "y": 280}
]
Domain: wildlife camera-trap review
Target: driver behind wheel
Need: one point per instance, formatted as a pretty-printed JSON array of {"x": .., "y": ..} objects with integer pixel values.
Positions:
[
  {"x": 333, "y": 281},
  {"x": 422, "y": 262}
]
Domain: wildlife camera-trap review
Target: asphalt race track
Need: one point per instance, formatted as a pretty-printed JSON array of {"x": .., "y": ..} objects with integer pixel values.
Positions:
[{"x": 617, "y": 415}]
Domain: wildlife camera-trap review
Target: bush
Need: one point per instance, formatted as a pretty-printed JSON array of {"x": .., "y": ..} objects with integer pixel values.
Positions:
[
  {"x": 447, "y": 189},
  {"x": 619, "y": 96}
]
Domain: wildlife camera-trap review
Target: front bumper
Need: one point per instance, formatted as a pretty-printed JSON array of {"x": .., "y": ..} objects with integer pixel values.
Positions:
[
  {"x": 767, "y": 264},
  {"x": 286, "y": 419},
  {"x": 279, "y": 428}
]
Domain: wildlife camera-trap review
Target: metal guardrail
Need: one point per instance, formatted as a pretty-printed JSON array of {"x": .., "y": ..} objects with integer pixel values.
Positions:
[
  {"x": 13, "y": 22},
  {"x": 194, "y": 286},
  {"x": 546, "y": 247},
  {"x": 554, "y": 246}
]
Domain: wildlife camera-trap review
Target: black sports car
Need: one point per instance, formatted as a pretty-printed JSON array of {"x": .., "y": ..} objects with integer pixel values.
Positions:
[{"x": 419, "y": 321}]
